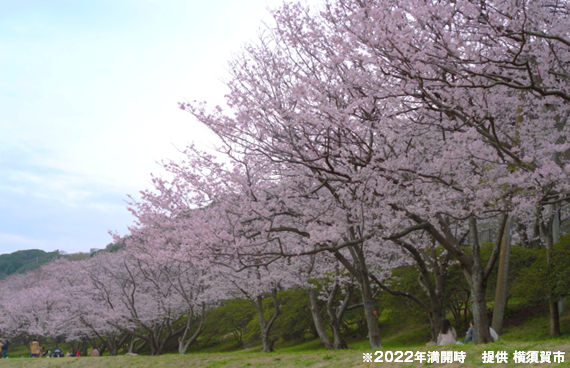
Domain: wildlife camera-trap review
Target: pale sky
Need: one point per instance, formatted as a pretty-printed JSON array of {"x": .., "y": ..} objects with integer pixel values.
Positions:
[{"x": 88, "y": 106}]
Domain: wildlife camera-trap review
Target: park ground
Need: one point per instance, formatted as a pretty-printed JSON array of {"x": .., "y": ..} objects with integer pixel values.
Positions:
[
  {"x": 531, "y": 335},
  {"x": 290, "y": 358}
]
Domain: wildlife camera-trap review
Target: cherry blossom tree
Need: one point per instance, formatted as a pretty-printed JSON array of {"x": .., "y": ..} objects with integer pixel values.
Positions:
[
  {"x": 418, "y": 98},
  {"x": 321, "y": 275},
  {"x": 260, "y": 216},
  {"x": 43, "y": 302},
  {"x": 139, "y": 300}
]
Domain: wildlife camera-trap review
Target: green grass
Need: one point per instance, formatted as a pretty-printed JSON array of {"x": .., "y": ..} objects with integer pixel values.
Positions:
[
  {"x": 528, "y": 333},
  {"x": 316, "y": 359}
]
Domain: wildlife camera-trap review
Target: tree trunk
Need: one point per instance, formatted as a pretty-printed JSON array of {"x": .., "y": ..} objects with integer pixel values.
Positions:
[
  {"x": 266, "y": 343},
  {"x": 113, "y": 346},
  {"x": 480, "y": 317},
  {"x": 435, "y": 290},
  {"x": 336, "y": 316},
  {"x": 84, "y": 347},
  {"x": 502, "y": 274},
  {"x": 371, "y": 318},
  {"x": 478, "y": 287},
  {"x": 74, "y": 347},
  {"x": 266, "y": 325},
  {"x": 471, "y": 266},
  {"x": 435, "y": 320},
  {"x": 133, "y": 349},
  {"x": 548, "y": 229},
  {"x": 555, "y": 237},
  {"x": 339, "y": 342},
  {"x": 184, "y": 344},
  {"x": 360, "y": 272},
  {"x": 114, "y": 343},
  {"x": 317, "y": 319}
]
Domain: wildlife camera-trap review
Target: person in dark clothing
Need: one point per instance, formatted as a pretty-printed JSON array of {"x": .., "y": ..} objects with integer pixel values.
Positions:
[
  {"x": 57, "y": 353},
  {"x": 470, "y": 333},
  {"x": 5, "y": 349}
]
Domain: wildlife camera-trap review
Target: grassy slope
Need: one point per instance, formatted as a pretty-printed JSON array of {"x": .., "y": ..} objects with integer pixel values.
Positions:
[{"x": 532, "y": 335}]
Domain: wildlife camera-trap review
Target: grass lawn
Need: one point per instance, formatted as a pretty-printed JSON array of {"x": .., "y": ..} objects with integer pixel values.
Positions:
[
  {"x": 528, "y": 335},
  {"x": 320, "y": 358}
]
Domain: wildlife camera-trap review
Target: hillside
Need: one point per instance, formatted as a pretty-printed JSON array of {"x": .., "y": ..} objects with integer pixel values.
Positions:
[{"x": 24, "y": 260}]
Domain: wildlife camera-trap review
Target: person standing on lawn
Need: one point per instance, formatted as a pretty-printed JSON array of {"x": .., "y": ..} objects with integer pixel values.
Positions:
[{"x": 5, "y": 349}]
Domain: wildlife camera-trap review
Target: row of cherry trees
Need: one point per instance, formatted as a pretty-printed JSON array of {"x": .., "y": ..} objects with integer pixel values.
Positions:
[
  {"x": 108, "y": 300},
  {"x": 145, "y": 299},
  {"x": 357, "y": 138},
  {"x": 371, "y": 125}
]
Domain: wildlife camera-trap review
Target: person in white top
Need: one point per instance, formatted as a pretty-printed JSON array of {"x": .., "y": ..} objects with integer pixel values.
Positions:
[
  {"x": 447, "y": 335},
  {"x": 493, "y": 334}
]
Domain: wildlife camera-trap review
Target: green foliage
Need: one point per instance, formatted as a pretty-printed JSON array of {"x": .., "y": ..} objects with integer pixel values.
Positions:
[
  {"x": 229, "y": 319},
  {"x": 295, "y": 319},
  {"x": 114, "y": 247},
  {"x": 520, "y": 259},
  {"x": 542, "y": 279},
  {"x": 24, "y": 260},
  {"x": 403, "y": 309},
  {"x": 458, "y": 296}
]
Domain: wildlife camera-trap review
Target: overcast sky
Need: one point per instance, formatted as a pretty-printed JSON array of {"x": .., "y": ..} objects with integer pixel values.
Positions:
[{"x": 88, "y": 105}]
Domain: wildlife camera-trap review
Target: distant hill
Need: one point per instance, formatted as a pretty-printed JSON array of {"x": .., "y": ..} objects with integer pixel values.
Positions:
[
  {"x": 111, "y": 248},
  {"x": 24, "y": 260}
]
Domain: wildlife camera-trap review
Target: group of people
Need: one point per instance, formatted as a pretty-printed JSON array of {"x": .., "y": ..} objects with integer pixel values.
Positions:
[
  {"x": 4, "y": 348},
  {"x": 448, "y": 336},
  {"x": 36, "y": 351}
]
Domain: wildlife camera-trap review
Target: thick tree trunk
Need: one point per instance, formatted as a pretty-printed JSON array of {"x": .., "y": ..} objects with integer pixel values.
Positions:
[
  {"x": 554, "y": 319},
  {"x": 501, "y": 288},
  {"x": 84, "y": 347},
  {"x": 478, "y": 284},
  {"x": 435, "y": 320},
  {"x": 480, "y": 317},
  {"x": 437, "y": 295},
  {"x": 266, "y": 343},
  {"x": 339, "y": 342},
  {"x": 317, "y": 319},
  {"x": 154, "y": 350},
  {"x": 371, "y": 318}
]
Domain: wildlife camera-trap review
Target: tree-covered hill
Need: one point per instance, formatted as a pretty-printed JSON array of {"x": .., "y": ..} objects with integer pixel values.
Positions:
[{"x": 24, "y": 260}]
